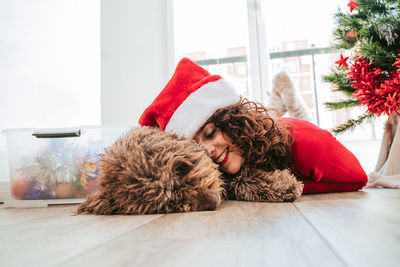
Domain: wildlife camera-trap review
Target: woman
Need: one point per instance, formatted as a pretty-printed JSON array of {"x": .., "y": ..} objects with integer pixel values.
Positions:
[{"x": 243, "y": 139}]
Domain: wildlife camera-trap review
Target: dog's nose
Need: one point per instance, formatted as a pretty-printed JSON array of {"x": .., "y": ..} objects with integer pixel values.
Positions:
[{"x": 210, "y": 201}]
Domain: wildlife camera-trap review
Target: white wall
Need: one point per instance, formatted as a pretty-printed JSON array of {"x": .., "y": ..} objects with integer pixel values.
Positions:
[
  {"x": 134, "y": 57},
  {"x": 50, "y": 62},
  {"x": 49, "y": 65}
]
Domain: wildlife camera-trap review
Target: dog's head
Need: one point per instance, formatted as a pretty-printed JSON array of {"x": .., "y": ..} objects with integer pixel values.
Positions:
[{"x": 151, "y": 171}]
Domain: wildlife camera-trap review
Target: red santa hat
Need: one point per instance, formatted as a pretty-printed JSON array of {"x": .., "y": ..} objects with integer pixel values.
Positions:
[{"x": 188, "y": 100}]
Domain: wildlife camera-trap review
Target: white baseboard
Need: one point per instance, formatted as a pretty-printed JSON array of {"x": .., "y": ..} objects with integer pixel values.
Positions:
[
  {"x": 40, "y": 203},
  {"x": 4, "y": 191}
]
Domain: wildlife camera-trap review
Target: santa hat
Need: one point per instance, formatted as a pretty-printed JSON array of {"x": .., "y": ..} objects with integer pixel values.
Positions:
[{"x": 188, "y": 100}]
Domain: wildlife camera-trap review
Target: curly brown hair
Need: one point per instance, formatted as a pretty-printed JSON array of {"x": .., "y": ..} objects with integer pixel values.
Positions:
[{"x": 264, "y": 142}]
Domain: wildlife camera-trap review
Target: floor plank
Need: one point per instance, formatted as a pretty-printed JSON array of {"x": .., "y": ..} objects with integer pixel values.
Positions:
[
  {"x": 362, "y": 227},
  {"x": 12, "y": 216},
  {"x": 237, "y": 234},
  {"x": 45, "y": 241}
]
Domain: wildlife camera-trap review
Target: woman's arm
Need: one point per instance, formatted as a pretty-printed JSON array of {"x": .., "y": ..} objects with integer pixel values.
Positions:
[{"x": 322, "y": 162}]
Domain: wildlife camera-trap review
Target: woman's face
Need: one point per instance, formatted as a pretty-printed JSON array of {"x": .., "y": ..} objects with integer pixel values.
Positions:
[{"x": 220, "y": 148}]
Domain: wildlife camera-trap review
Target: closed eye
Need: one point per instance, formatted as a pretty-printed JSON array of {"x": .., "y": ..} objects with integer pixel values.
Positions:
[{"x": 211, "y": 134}]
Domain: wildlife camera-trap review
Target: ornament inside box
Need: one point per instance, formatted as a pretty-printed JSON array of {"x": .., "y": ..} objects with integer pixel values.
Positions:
[{"x": 56, "y": 163}]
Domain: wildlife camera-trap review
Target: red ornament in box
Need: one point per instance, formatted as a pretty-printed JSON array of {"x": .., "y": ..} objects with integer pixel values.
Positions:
[{"x": 19, "y": 189}]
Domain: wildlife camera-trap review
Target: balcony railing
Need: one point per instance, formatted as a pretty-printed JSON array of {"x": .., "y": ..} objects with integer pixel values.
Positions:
[
  {"x": 273, "y": 55},
  {"x": 281, "y": 55}
]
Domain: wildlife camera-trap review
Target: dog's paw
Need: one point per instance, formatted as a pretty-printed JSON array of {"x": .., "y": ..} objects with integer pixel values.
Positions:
[
  {"x": 285, "y": 185},
  {"x": 258, "y": 185},
  {"x": 293, "y": 192}
]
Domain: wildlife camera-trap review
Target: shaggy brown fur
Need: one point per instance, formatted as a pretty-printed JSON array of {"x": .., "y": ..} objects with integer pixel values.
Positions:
[
  {"x": 258, "y": 185},
  {"x": 151, "y": 171}
]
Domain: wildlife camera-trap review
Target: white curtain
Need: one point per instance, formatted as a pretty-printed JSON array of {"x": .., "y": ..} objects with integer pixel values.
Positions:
[{"x": 387, "y": 170}]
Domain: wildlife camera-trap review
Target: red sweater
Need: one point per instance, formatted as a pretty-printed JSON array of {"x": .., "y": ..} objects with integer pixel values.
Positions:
[{"x": 322, "y": 162}]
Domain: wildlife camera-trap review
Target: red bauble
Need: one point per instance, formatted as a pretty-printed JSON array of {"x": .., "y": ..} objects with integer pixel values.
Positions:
[
  {"x": 19, "y": 189},
  {"x": 351, "y": 34}
]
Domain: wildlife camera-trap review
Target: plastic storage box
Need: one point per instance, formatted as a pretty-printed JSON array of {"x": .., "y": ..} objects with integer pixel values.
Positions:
[{"x": 56, "y": 163}]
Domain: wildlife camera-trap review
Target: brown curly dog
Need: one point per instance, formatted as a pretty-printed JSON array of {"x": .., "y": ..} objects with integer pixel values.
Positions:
[{"x": 152, "y": 171}]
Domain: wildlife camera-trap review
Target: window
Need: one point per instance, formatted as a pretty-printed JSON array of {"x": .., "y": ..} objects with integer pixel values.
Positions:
[{"x": 298, "y": 38}]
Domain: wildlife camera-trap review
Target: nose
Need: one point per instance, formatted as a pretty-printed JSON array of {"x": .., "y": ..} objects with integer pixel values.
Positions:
[{"x": 210, "y": 148}]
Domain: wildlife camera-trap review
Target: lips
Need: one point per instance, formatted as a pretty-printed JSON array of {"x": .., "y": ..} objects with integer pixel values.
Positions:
[{"x": 223, "y": 157}]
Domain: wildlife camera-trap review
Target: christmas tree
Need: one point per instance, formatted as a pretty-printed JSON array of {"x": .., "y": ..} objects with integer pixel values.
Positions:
[{"x": 370, "y": 76}]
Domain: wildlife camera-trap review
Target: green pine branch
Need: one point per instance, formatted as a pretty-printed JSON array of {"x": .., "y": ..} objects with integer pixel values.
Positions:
[
  {"x": 380, "y": 55},
  {"x": 342, "y": 104},
  {"x": 345, "y": 24},
  {"x": 373, "y": 7},
  {"x": 341, "y": 82},
  {"x": 352, "y": 123}
]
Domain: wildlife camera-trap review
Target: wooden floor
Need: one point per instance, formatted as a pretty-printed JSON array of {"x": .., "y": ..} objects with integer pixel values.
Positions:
[{"x": 346, "y": 229}]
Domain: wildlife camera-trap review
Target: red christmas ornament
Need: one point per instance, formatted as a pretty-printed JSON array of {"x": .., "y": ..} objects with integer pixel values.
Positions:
[
  {"x": 352, "y": 4},
  {"x": 342, "y": 61},
  {"x": 379, "y": 92},
  {"x": 91, "y": 187},
  {"x": 19, "y": 189},
  {"x": 351, "y": 34}
]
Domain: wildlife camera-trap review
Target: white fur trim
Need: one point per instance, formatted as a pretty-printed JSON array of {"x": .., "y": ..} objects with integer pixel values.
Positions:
[{"x": 199, "y": 106}]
